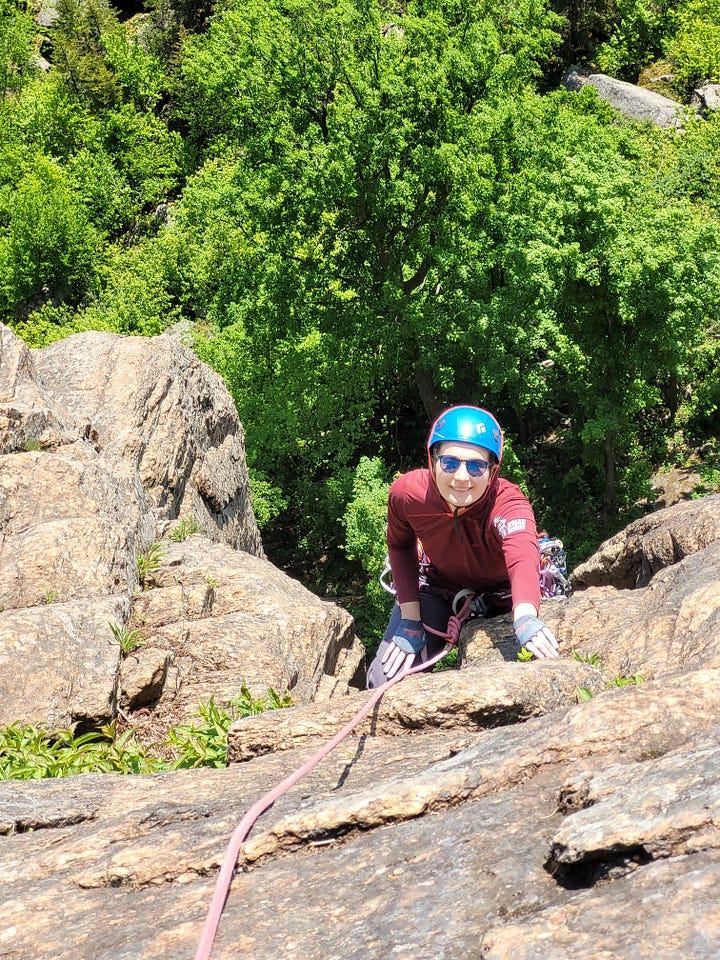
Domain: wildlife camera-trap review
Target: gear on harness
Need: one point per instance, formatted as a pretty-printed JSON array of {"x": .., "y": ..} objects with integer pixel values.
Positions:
[
  {"x": 553, "y": 567},
  {"x": 554, "y": 580},
  {"x": 478, "y": 607}
]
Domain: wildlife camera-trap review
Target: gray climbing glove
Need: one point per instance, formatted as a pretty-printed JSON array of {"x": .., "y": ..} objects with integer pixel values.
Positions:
[
  {"x": 409, "y": 636},
  {"x": 408, "y": 640},
  {"x": 536, "y": 636}
]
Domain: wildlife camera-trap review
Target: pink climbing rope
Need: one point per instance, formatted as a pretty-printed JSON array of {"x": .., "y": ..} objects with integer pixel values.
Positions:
[{"x": 224, "y": 879}]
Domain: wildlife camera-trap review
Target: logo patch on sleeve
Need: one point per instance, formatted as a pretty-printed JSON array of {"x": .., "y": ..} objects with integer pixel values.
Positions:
[{"x": 507, "y": 527}]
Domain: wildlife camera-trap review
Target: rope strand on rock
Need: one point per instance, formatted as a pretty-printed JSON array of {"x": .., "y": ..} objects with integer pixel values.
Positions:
[{"x": 227, "y": 869}]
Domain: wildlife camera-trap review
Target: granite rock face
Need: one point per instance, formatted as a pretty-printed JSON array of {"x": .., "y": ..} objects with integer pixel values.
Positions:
[
  {"x": 503, "y": 810},
  {"x": 555, "y": 837},
  {"x": 108, "y": 445},
  {"x": 633, "y": 101},
  {"x": 480, "y": 812}
]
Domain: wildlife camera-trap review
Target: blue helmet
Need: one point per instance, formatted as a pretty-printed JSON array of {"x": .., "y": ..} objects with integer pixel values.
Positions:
[{"x": 467, "y": 425}]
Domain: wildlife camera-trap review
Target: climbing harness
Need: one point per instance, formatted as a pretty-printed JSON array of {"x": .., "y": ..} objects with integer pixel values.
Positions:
[
  {"x": 554, "y": 580},
  {"x": 229, "y": 864}
]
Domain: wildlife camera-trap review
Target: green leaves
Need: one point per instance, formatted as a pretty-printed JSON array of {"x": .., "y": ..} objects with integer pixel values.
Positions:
[
  {"x": 149, "y": 562},
  {"x": 368, "y": 213},
  {"x": 205, "y": 744},
  {"x": 338, "y": 242},
  {"x": 16, "y": 46},
  {"x": 31, "y": 752},
  {"x": 366, "y": 516},
  {"x": 600, "y": 277},
  {"x": 49, "y": 241},
  {"x": 695, "y": 47}
]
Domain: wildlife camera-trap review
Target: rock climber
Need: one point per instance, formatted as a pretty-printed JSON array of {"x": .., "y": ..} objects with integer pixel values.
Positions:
[{"x": 453, "y": 526}]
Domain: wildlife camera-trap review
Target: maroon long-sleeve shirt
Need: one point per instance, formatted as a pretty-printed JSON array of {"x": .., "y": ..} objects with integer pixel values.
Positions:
[{"x": 491, "y": 544}]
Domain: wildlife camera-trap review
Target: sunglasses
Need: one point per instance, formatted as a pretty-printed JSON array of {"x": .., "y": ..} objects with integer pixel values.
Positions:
[{"x": 475, "y": 468}]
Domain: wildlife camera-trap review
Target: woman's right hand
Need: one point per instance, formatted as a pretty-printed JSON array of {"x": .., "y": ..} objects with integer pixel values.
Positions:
[{"x": 408, "y": 640}]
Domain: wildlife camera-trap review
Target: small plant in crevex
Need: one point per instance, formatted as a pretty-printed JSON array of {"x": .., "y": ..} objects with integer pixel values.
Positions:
[
  {"x": 186, "y": 526},
  {"x": 205, "y": 744},
  {"x": 593, "y": 659},
  {"x": 149, "y": 562},
  {"x": 524, "y": 655},
  {"x": 129, "y": 640},
  {"x": 625, "y": 681}
]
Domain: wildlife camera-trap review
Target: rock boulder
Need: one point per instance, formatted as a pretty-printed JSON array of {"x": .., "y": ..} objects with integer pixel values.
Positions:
[
  {"x": 635, "y": 102},
  {"x": 108, "y": 445}
]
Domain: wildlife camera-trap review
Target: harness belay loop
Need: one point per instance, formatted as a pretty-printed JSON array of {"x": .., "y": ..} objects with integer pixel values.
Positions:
[{"x": 455, "y": 622}]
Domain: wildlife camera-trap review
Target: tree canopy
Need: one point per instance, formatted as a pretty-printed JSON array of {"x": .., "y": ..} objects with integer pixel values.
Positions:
[{"x": 366, "y": 212}]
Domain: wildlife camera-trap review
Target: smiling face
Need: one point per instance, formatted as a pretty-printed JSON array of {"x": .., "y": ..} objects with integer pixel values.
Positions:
[{"x": 459, "y": 489}]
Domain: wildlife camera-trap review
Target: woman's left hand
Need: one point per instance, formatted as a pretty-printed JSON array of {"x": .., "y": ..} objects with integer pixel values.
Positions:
[{"x": 536, "y": 637}]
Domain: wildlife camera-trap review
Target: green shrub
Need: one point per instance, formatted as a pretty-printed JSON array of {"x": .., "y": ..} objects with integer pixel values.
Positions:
[
  {"x": 637, "y": 38},
  {"x": 49, "y": 243},
  {"x": 31, "y": 752},
  {"x": 185, "y": 528},
  {"x": 267, "y": 499},
  {"x": 205, "y": 744},
  {"x": 710, "y": 478},
  {"x": 364, "y": 521},
  {"x": 366, "y": 516},
  {"x": 51, "y": 323},
  {"x": 695, "y": 49}
]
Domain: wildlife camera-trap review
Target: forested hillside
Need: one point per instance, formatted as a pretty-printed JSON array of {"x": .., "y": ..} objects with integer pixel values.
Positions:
[{"x": 364, "y": 211}]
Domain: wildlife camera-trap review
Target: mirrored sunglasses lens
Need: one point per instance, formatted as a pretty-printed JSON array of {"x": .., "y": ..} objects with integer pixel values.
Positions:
[
  {"x": 449, "y": 464},
  {"x": 475, "y": 468}
]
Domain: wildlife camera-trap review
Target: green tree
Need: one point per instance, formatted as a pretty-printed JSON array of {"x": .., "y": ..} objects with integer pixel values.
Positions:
[
  {"x": 49, "y": 246},
  {"x": 612, "y": 279},
  {"x": 140, "y": 72},
  {"x": 78, "y": 51},
  {"x": 370, "y": 138},
  {"x": 639, "y": 30},
  {"x": 333, "y": 230},
  {"x": 694, "y": 48},
  {"x": 17, "y": 35}
]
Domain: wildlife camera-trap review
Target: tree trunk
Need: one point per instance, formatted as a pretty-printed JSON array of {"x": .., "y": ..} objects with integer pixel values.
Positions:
[
  {"x": 609, "y": 496},
  {"x": 425, "y": 383}
]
